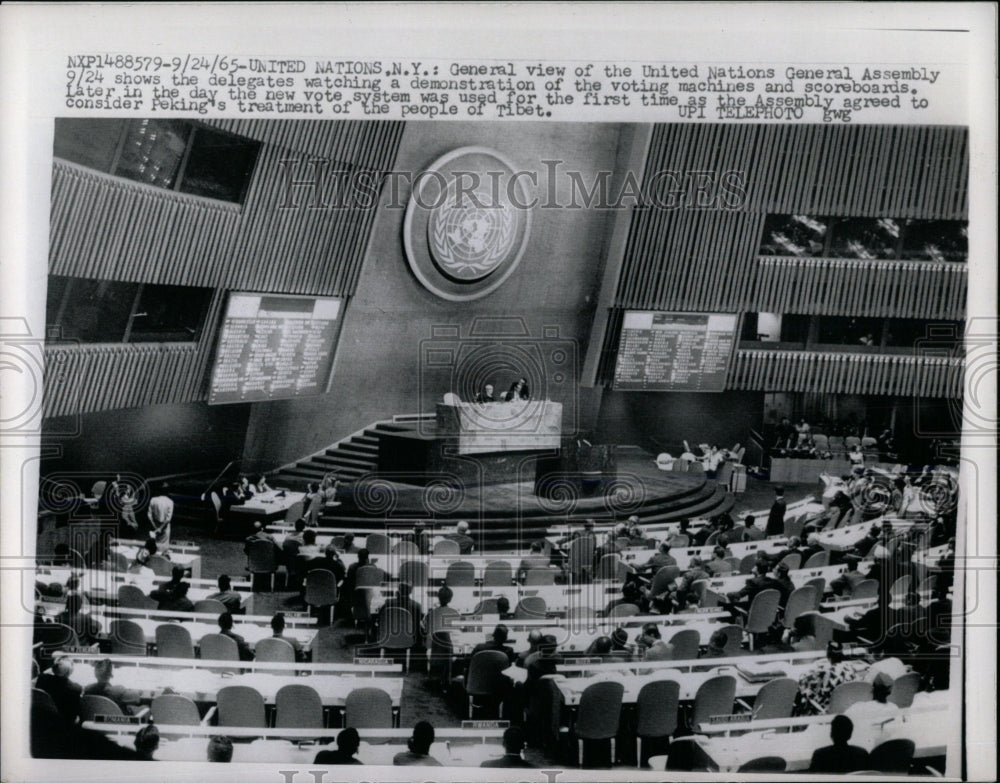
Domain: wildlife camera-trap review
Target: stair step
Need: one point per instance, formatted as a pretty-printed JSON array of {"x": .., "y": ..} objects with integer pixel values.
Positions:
[
  {"x": 342, "y": 460},
  {"x": 392, "y": 427},
  {"x": 355, "y": 450}
]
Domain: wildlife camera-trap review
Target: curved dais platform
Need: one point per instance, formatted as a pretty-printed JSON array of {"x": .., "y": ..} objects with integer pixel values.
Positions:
[{"x": 512, "y": 514}]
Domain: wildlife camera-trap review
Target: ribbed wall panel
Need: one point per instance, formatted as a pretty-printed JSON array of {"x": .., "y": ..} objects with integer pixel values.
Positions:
[
  {"x": 707, "y": 259},
  {"x": 846, "y": 373},
  {"x": 693, "y": 261},
  {"x": 878, "y": 171},
  {"x": 884, "y": 289},
  {"x": 80, "y": 379},
  {"x": 111, "y": 228}
]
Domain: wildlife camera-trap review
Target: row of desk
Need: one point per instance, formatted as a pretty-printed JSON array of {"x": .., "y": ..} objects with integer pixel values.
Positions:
[
  {"x": 252, "y": 632},
  {"x": 635, "y": 557},
  {"x": 201, "y": 680},
  {"x": 453, "y": 747},
  {"x": 101, "y": 586},
  {"x": 926, "y": 722}
]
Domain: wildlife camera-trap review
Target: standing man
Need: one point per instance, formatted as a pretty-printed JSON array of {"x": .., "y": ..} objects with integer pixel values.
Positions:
[
  {"x": 776, "y": 516},
  {"x": 161, "y": 512}
]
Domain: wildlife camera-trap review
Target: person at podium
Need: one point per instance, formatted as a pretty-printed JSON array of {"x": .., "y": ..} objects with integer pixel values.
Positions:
[
  {"x": 486, "y": 395},
  {"x": 518, "y": 391}
]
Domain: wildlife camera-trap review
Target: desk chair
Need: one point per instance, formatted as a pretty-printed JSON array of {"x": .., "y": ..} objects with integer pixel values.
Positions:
[
  {"x": 716, "y": 696},
  {"x": 173, "y": 640},
  {"x": 368, "y": 708},
  {"x": 598, "y": 715},
  {"x": 276, "y": 651},
  {"x": 893, "y": 756},
  {"x": 498, "y": 574},
  {"x": 131, "y": 597},
  {"x": 441, "y": 651},
  {"x": 460, "y": 574},
  {"x": 900, "y": 587},
  {"x": 485, "y": 678},
  {"x": 656, "y": 712},
  {"x": 734, "y": 639},
  {"x": 171, "y": 709},
  {"x": 620, "y": 611},
  {"x": 210, "y": 605},
  {"x": 793, "y": 527},
  {"x": 43, "y": 701},
  {"x": 685, "y": 644},
  {"x": 240, "y": 705},
  {"x": 802, "y": 599},
  {"x": 820, "y": 584},
  {"x": 764, "y": 764},
  {"x": 686, "y": 755},
  {"x": 818, "y": 560},
  {"x": 747, "y": 562},
  {"x": 663, "y": 578},
  {"x": 92, "y": 705},
  {"x": 218, "y": 647},
  {"x": 294, "y": 512},
  {"x": 297, "y": 706},
  {"x": 160, "y": 565},
  {"x": 706, "y": 596},
  {"x": 413, "y": 572},
  {"x": 775, "y": 699},
  {"x": 904, "y": 689},
  {"x": 848, "y": 693},
  {"x": 446, "y": 546},
  {"x": 866, "y": 588},
  {"x": 361, "y": 608},
  {"x": 763, "y": 610},
  {"x": 127, "y": 638},
  {"x": 321, "y": 590},
  {"x": 397, "y": 631},
  {"x": 531, "y": 607},
  {"x": 377, "y": 543},
  {"x": 262, "y": 557}
]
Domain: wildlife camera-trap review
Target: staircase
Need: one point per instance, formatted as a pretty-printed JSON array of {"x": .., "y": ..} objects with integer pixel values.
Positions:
[{"x": 350, "y": 458}]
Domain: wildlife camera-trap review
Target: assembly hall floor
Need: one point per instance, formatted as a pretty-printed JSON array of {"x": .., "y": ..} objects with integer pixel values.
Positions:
[{"x": 420, "y": 700}]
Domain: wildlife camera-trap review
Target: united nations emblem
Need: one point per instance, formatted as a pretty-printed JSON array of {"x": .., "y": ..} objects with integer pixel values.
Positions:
[{"x": 466, "y": 224}]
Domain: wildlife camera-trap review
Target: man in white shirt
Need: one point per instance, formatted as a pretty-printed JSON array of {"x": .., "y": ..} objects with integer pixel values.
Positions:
[
  {"x": 161, "y": 512},
  {"x": 879, "y": 709}
]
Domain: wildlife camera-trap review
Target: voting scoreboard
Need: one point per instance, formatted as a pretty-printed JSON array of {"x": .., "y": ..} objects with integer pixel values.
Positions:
[
  {"x": 274, "y": 347},
  {"x": 674, "y": 351}
]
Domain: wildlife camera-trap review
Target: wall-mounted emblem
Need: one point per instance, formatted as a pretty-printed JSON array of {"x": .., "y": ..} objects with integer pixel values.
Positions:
[{"x": 467, "y": 224}]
